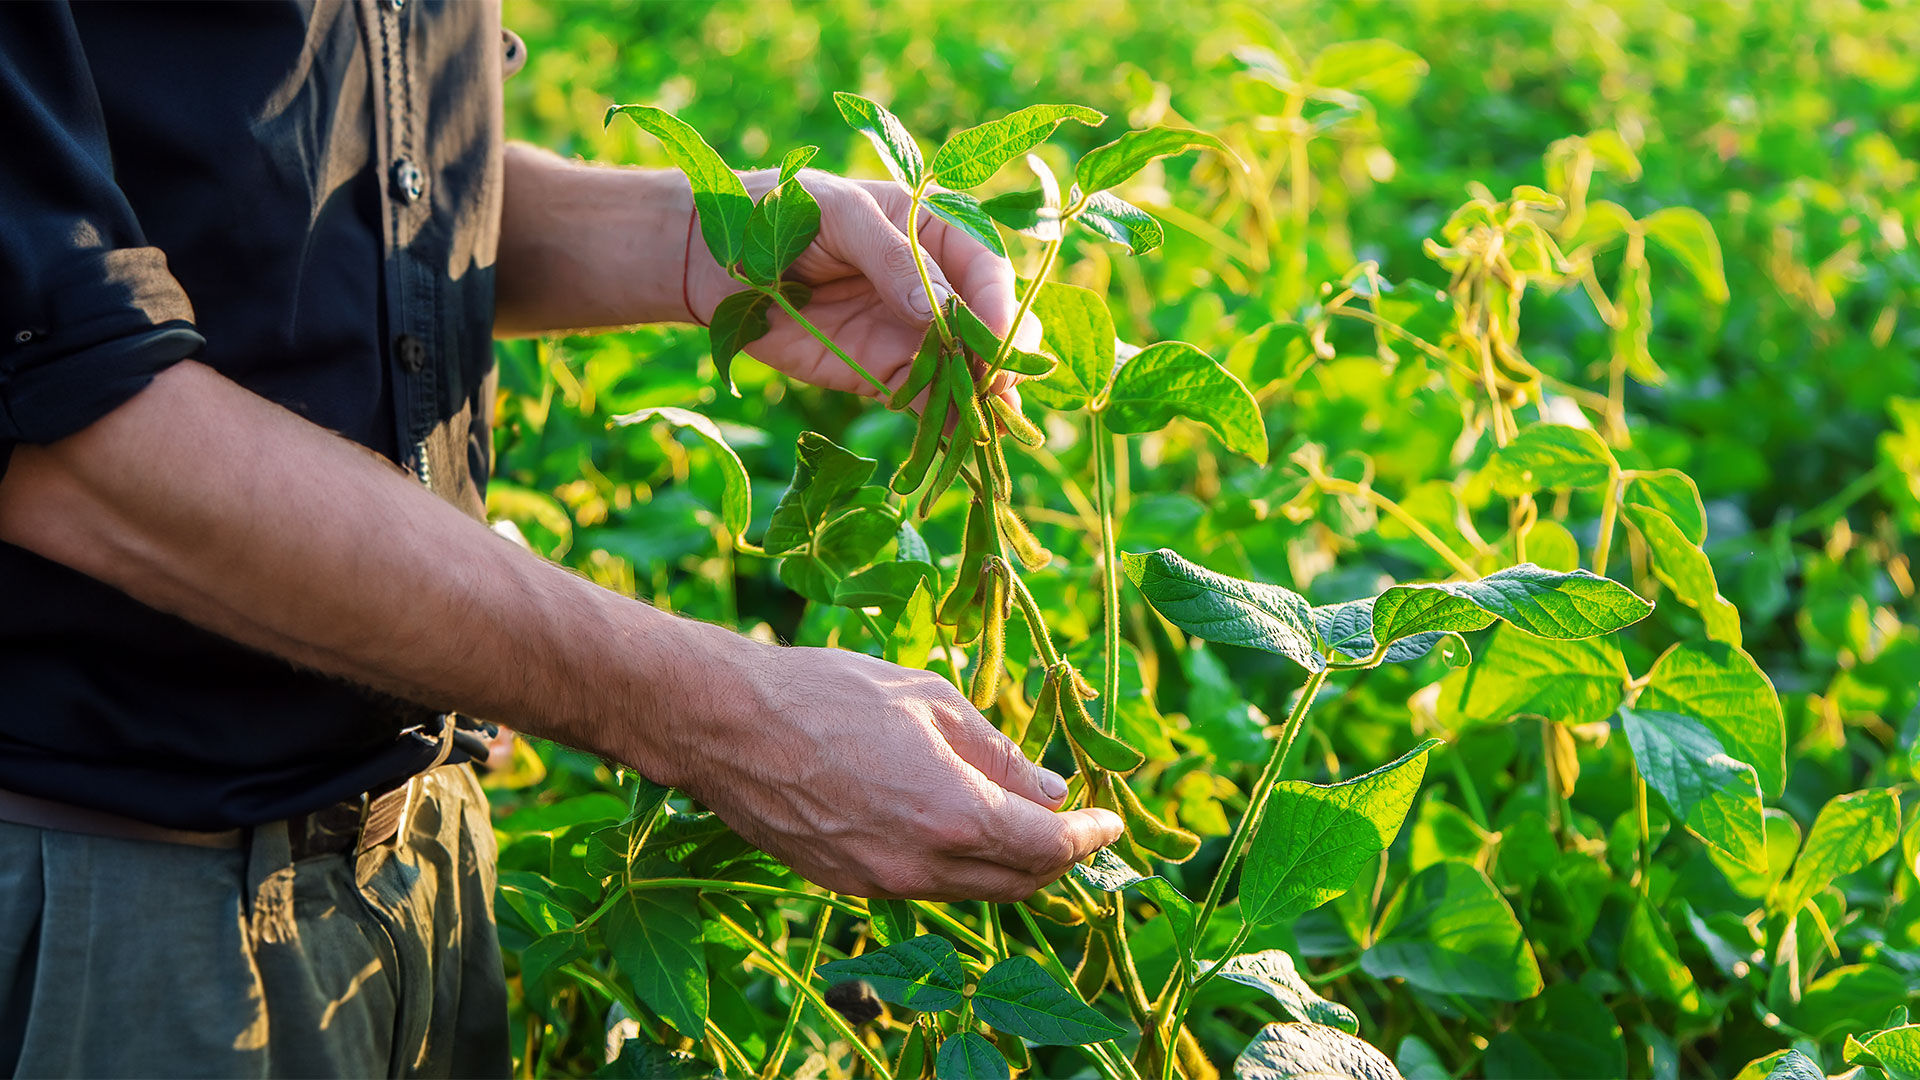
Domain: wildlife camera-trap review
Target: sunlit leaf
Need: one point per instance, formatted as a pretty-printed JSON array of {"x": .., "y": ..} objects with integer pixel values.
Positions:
[
  {"x": 1376, "y": 67},
  {"x": 1517, "y": 674},
  {"x": 736, "y": 505},
  {"x": 1684, "y": 569},
  {"x": 1113, "y": 218},
  {"x": 1684, "y": 232},
  {"x": 1078, "y": 329},
  {"x": 1549, "y": 456},
  {"x": 1674, "y": 494},
  {"x": 964, "y": 212},
  {"x": 1713, "y": 795},
  {"x": 898, "y": 152},
  {"x": 1723, "y": 688},
  {"x": 656, "y": 936},
  {"x": 1111, "y": 165},
  {"x": 1172, "y": 379},
  {"x": 1302, "y": 1051},
  {"x": 970, "y": 157},
  {"x": 1449, "y": 931},
  {"x": 719, "y": 198},
  {"x": 782, "y": 225},
  {"x": 1227, "y": 610},
  {"x": 1273, "y": 972},
  {"x": 1851, "y": 831},
  {"x": 1017, "y": 996},
  {"x": 1895, "y": 1052},
  {"x": 1316, "y": 837}
]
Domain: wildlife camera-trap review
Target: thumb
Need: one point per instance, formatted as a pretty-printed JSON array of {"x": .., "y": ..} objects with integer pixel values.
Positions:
[
  {"x": 861, "y": 235},
  {"x": 997, "y": 758}
]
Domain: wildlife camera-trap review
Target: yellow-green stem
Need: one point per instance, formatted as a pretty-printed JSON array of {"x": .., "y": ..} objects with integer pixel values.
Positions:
[
  {"x": 801, "y": 985},
  {"x": 920, "y": 261},
  {"x": 1609, "y": 509},
  {"x": 1400, "y": 514},
  {"x": 823, "y": 339},
  {"x": 1110, "y": 580},
  {"x": 770, "y": 1068}
]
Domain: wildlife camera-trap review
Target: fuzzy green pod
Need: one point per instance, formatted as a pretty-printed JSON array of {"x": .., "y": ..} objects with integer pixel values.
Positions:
[
  {"x": 1056, "y": 909},
  {"x": 959, "y": 389},
  {"x": 1082, "y": 687},
  {"x": 997, "y": 474},
  {"x": 1101, "y": 748},
  {"x": 1046, "y": 716},
  {"x": 976, "y": 545},
  {"x": 926, "y": 367},
  {"x": 993, "y": 635},
  {"x": 1170, "y": 842},
  {"x": 1096, "y": 968},
  {"x": 926, "y": 444},
  {"x": 1024, "y": 431},
  {"x": 976, "y": 336},
  {"x": 1026, "y": 547}
]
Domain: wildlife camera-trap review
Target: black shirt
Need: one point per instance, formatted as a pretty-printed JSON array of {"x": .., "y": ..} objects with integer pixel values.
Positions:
[{"x": 306, "y": 197}]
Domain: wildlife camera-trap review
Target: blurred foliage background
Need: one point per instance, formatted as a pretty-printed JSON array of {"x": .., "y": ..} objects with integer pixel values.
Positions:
[{"x": 1795, "y": 404}]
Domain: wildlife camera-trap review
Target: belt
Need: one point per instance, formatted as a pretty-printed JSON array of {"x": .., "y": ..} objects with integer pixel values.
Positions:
[{"x": 354, "y": 825}]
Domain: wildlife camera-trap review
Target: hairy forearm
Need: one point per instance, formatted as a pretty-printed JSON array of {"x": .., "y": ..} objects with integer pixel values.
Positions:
[
  {"x": 586, "y": 246},
  {"x": 202, "y": 499}
]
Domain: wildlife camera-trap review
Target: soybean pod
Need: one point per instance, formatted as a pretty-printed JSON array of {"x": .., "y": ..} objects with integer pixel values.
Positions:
[
  {"x": 958, "y": 386},
  {"x": 1056, "y": 909},
  {"x": 926, "y": 443},
  {"x": 1101, "y": 748},
  {"x": 993, "y": 634},
  {"x": 1170, "y": 842},
  {"x": 997, "y": 474},
  {"x": 1026, "y": 547},
  {"x": 1024, "y": 431},
  {"x": 976, "y": 545},
  {"x": 1046, "y": 716},
  {"x": 926, "y": 366},
  {"x": 1096, "y": 967}
]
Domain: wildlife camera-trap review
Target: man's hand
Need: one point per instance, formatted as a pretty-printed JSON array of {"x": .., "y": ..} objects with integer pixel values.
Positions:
[
  {"x": 872, "y": 779},
  {"x": 867, "y": 294}
]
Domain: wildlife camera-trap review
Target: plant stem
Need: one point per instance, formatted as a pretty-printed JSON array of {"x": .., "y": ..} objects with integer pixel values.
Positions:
[
  {"x": 1603, "y": 547},
  {"x": 802, "y": 986},
  {"x": 829, "y": 342},
  {"x": 1646, "y": 832},
  {"x": 937, "y": 913},
  {"x": 920, "y": 262},
  {"x": 1110, "y": 579},
  {"x": 751, "y": 887},
  {"x": 1036, "y": 621},
  {"x": 1257, "y": 800},
  {"x": 1833, "y": 508},
  {"x": 946, "y": 652},
  {"x": 1051, "y": 961},
  {"x": 1399, "y": 513},
  {"x": 1047, "y": 258},
  {"x": 770, "y": 1068}
]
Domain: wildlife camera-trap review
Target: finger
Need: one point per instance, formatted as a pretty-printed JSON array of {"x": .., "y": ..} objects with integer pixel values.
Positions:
[
  {"x": 999, "y": 759},
  {"x": 860, "y": 233},
  {"x": 1040, "y": 841}
]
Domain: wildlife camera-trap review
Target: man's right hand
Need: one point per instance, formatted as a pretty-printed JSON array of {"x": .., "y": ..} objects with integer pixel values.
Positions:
[{"x": 872, "y": 779}]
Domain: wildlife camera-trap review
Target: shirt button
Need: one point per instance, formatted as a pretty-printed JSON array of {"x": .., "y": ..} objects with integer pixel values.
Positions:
[
  {"x": 412, "y": 352},
  {"x": 408, "y": 181}
]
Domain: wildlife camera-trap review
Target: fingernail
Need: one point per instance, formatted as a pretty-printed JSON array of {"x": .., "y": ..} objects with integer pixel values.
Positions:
[{"x": 1053, "y": 784}]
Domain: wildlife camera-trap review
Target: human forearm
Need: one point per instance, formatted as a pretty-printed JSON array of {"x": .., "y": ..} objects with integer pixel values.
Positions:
[
  {"x": 200, "y": 498},
  {"x": 585, "y": 246}
]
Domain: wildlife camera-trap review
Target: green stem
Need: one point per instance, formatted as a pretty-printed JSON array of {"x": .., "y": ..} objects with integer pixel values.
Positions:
[
  {"x": 1609, "y": 509},
  {"x": 946, "y": 652},
  {"x": 1036, "y": 622},
  {"x": 802, "y": 986},
  {"x": 827, "y": 341},
  {"x": 1257, "y": 800},
  {"x": 1646, "y": 832},
  {"x": 996, "y": 937},
  {"x": 1832, "y": 509},
  {"x": 1399, "y": 513},
  {"x": 1047, "y": 258},
  {"x": 1110, "y": 579},
  {"x": 937, "y": 914},
  {"x": 920, "y": 263},
  {"x": 778, "y": 1055},
  {"x": 1051, "y": 961}
]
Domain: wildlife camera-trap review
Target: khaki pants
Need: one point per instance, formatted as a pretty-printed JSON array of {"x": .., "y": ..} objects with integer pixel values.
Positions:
[{"x": 128, "y": 958}]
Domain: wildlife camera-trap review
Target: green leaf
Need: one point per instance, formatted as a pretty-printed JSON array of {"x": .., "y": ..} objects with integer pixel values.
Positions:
[
  {"x": 970, "y": 1056},
  {"x": 1113, "y": 164},
  {"x": 1548, "y": 456},
  {"x": 1517, "y": 674},
  {"x": 1277, "y": 352},
  {"x": 1078, "y": 329},
  {"x": 1218, "y": 608},
  {"x": 656, "y": 938},
  {"x": 964, "y": 212},
  {"x": 971, "y": 157},
  {"x": 1795, "y": 1065},
  {"x": 1018, "y": 997},
  {"x": 1347, "y": 629},
  {"x": 1173, "y": 378},
  {"x": 742, "y": 319},
  {"x": 1633, "y": 298},
  {"x": 1110, "y": 873},
  {"x": 853, "y": 537},
  {"x": 1684, "y": 232},
  {"x": 1112, "y": 218},
  {"x": 1315, "y": 1051},
  {"x": 1544, "y": 603},
  {"x": 889, "y": 136},
  {"x": 736, "y": 499},
  {"x": 1273, "y": 972},
  {"x": 1684, "y": 569},
  {"x": 1674, "y": 494},
  {"x": 1851, "y": 831},
  {"x": 719, "y": 198},
  {"x": 642, "y": 1059},
  {"x": 1315, "y": 837},
  {"x": 1449, "y": 931},
  {"x": 911, "y": 642},
  {"x": 1374, "y": 66},
  {"x": 1895, "y": 1052},
  {"x": 783, "y": 224},
  {"x": 1025, "y": 212},
  {"x": 1652, "y": 959},
  {"x": 979, "y": 337},
  {"x": 1724, "y": 689},
  {"x": 1856, "y": 997},
  {"x": 921, "y": 973},
  {"x": 1566, "y": 1033},
  {"x": 887, "y": 586},
  {"x": 892, "y": 921},
  {"x": 1713, "y": 795},
  {"x": 824, "y": 472}
]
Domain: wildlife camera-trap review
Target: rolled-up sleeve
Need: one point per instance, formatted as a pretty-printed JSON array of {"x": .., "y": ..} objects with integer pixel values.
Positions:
[{"x": 89, "y": 312}]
